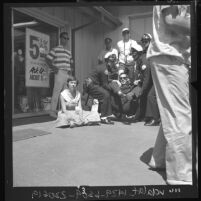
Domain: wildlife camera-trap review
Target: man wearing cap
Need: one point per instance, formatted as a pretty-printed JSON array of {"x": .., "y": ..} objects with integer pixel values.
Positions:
[
  {"x": 108, "y": 48},
  {"x": 170, "y": 57},
  {"x": 98, "y": 87},
  {"x": 144, "y": 71},
  {"x": 59, "y": 61},
  {"x": 149, "y": 106},
  {"x": 124, "y": 48}
]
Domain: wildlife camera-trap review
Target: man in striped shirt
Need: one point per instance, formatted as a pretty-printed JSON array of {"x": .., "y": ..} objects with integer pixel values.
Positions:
[{"x": 59, "y": 61}]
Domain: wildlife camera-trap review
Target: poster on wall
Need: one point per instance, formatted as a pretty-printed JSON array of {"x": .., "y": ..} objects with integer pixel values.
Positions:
[{"x": 37, "y": 46}]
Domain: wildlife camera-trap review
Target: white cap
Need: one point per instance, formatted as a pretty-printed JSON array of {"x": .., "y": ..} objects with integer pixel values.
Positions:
[
  {"x": 137, "y": 47},
  {"x": 149, "y": 35},
  {"x": 125, "y": 29},
  {"x": 110, "y": 53}
]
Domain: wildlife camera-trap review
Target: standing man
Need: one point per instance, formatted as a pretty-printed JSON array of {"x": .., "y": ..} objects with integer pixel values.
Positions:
[
  {"x": 124, "y": 50},
  {"x": 148, "y": 103},
  {"x": 169, "y": 54},
  {"x": 108, "y": 48},
  {"x": 59, "y": 60}
]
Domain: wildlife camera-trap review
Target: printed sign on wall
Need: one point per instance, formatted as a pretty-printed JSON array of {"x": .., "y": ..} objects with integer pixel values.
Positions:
[{"x": 37, "y": 46}]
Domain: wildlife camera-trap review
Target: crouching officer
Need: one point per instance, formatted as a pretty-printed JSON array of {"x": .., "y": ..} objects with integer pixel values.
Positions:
[{"x": 98, "y": 87}]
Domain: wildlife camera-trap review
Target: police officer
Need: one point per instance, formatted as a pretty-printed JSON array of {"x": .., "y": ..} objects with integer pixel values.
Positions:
[
  {"x": 97, "y": 86},
  {"x": 149, "y": 107}
]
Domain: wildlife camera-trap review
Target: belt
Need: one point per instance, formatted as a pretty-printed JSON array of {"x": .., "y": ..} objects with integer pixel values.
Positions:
[{"x": 66, "y": 70}]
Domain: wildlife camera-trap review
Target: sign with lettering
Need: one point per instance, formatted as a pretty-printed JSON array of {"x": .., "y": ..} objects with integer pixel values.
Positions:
[{"x": 37, "y": 46}]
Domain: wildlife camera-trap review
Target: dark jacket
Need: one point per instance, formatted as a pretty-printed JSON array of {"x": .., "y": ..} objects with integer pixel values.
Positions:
[
  {"x": 99, "y": 77},
  {"x": 147, "y": 78},
  {"x": 138, "y": 72}
]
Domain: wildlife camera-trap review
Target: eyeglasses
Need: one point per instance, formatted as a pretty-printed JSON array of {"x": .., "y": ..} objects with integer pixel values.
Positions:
[
  {"x": 73, "y": 82},
  {"x": 123, "y": 78}
]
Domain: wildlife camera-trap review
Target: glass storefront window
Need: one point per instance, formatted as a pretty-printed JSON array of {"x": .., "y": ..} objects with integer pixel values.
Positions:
[{"x": 31, "y": 92}]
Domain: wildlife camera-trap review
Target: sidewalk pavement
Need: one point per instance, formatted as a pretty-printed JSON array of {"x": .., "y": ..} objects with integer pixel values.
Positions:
[{"x": 105, "y": 155}]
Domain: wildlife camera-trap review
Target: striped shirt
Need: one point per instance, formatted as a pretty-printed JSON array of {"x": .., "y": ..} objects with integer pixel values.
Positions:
[{"x": 60, "y": 57}]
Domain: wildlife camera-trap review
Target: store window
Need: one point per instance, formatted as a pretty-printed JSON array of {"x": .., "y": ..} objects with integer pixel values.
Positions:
[{"x": 33, "y": 83}]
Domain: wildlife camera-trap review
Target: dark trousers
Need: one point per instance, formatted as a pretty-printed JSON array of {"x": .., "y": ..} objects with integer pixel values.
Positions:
[
  {"x": 152, "y": 106},
  {"x": 103, "y": 96},
  {"x": 116, "y": 103},
  {"x": 140, "y": 103},
  {"x": 141, "y": 110},
  {"x": 122, "y": 105},
  {"x": 129, "y": 107}
]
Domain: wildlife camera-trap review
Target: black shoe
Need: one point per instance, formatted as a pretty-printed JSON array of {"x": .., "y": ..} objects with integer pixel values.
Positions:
[
  {"x": 148, "y": 122},
  {"x": 107, "y": 121},
  {"x": 136, "y": 119},
  {"x": 118, "y": 115},
  {"x": 152, "y": 123}
]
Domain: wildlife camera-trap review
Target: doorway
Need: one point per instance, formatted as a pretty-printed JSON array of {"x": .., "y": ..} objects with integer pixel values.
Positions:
[{"x": 30, "y": 99}]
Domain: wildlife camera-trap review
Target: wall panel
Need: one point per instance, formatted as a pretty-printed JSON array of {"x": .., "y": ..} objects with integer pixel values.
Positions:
[{"x": 89, "y": 41}]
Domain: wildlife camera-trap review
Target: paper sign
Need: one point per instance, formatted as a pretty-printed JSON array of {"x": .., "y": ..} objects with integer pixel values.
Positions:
[{"x": 37, "y": 71}]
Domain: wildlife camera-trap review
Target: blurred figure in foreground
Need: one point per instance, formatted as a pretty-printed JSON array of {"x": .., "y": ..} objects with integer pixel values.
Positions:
[{"x": 169, "y": 54}]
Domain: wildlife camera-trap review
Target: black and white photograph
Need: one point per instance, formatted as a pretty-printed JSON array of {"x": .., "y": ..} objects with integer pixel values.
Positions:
[{"x": 101, "y": 95}]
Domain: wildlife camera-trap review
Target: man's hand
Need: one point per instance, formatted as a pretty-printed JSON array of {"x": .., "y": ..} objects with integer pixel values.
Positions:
[
  {"x": 136, "y": 82},
  {"x": 121, "y": 94},
  {"x": 54, "y": 70},
  {"x": 175, "y": 22}
]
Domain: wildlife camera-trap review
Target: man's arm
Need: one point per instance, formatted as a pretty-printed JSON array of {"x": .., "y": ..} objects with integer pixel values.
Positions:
[
  {"x": 104, "y": 79},
  {"x": 115, "y": 87},
  {"x": 100, "y": 58},
  {"x": 49, "y": 58},
  {"x": 176, "y": 22}
]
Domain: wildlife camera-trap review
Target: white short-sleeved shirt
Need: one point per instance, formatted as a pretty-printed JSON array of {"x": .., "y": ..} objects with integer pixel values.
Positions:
[
  {"x": 166, "y": 42},
  {"x": 124, "y": 49},
  {"x": 104, "y": 52}
]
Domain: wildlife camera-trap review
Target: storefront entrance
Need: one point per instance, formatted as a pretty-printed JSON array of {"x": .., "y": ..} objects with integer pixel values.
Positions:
[{"x": 33, "y": 82}]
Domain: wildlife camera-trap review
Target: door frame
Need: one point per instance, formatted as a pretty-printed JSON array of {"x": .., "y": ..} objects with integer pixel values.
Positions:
[{"x": 61, "y": 25}]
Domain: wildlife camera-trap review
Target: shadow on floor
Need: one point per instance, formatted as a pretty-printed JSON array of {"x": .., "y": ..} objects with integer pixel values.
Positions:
[
  {"x": 32, "y": 120},
  {"x": 145, "y": 158}
]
